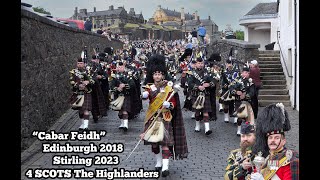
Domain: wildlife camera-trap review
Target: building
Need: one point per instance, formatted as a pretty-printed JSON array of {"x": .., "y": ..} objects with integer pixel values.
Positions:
[
  {"x": 288, "y": 44},
  {"x": 278, "y": 22},
  {"x": 261, "y": 24},
  {"x": 181, "y": 20},
  {"x": 110, "y": 17}
]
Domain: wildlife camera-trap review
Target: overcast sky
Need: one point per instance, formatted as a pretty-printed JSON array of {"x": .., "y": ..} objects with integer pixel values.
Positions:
[{"x": 222, "y": 12}]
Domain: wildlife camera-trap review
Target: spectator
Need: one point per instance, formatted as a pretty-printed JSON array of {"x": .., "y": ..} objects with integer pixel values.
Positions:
[
  {"x": 100, "y": 31},
  {"x": 255, "y": 75},
  {"x": 202, "y": 33},
  {"x": 194, "y": 36},
  {"x": 88, "y": 25}
]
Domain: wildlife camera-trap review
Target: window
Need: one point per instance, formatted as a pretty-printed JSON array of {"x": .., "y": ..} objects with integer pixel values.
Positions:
[{"x": 289, "y": 62}]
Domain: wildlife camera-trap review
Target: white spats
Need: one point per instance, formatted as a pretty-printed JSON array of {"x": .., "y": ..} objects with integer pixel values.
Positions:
[
  {"x": 82, "y": 124},
  {"x": 226, "y": 117},
  {"x": 165, "y": 167},
  {"x": 85, "y": 124},
  {"x": 193, "y": 115},
  {"x": 207, "y": 128},
  {"x": 220, "y": 107},
  {"x": 159, "y": 160},
  {"x": 235, "y": 119},
  {"x": 197, "y": 128},
  {"x": 125, "y": 124},
  {"x": 238, "y": 131},
  {"x": 122, "y": 124}
]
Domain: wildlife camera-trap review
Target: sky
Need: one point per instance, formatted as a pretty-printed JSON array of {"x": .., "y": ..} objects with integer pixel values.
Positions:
[{"x": 222, "y": 12}]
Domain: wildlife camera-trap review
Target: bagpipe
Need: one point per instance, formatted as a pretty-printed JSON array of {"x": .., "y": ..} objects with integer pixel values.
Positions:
[
  {"x": 156, "y": 130},
  {"x": 116, "y": 104},
  {"x": 233, "y": 87},
  {"x": 199, "y": 103}
]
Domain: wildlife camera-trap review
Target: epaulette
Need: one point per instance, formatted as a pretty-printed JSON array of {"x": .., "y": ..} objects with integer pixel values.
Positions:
[
  {"x": 72, "y": 71},
  {"x": 147, "y": 86},
  {"x": 236, "y": 150}
]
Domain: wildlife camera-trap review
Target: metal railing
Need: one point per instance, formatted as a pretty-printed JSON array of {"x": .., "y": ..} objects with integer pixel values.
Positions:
[{"x": 284, "y": 60}]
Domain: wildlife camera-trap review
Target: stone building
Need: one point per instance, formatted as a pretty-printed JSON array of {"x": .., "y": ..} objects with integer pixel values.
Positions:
[
  {"x": 181, "y": 20},
  {"x": 110, "y": 17}
]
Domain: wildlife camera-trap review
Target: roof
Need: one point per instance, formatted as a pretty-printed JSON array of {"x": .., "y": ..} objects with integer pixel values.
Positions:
[
  {"x": 170, "y": 23},
  {"x": 206, "y": 22},
  {"x": 264, "y": 8},
  {"x": 106, "y": 12},
  {"x": 177, "y": 14},
  {"x": 109, "y": 12},
  {"x": 138, "y": 15},
  {"x": 192, "y": 23}
]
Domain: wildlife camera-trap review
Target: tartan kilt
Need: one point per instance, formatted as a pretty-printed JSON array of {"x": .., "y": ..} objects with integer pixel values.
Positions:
[
  {"x": 127, "y": 104},
  {"x": 188, "y": 103},
  {"x": 87, "y": 104},
  {"x": 167, "y": 140},
  {"x": 207, "y": 104},
  {"x": 98, "y": 101}
]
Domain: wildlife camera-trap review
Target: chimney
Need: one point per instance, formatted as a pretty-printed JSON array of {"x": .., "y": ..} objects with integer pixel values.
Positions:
[
  {"x": 196, "y": 15},
  {"x": 111, "y": 7},
  {"x": 209, "y": 18},
  {"x": 159, "y": 7},
  {"x": 76, "y": 12},
  {"x": 83, "y": 11},
  {"x": 94, "y": 9},
  {"x": 132, "y": 11},
  {"x": 182, "y": 14},
  {"x": 198, "y": 18}
]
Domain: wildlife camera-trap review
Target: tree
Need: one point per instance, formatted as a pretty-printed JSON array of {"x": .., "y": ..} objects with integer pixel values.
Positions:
[
  {"x": 41, "y": 10},
  {"x": 240, "y": 35}
]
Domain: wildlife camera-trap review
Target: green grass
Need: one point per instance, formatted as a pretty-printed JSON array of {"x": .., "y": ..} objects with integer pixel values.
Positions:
[{"x": 130, "y": 25}]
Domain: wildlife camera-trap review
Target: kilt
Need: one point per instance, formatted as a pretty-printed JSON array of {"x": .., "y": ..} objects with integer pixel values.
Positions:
[
  {"x": 127, "y": 104},
  {"x": 98, "y": 102},
  {"x": 207, "y": 104},
  {"x": 188, "y": 103},
  {"x": 87, "y": 104},
  {"x": 167, "y": 140}
]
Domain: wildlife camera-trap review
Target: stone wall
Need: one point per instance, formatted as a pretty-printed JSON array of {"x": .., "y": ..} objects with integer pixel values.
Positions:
[
  {"x": 136, "y": 33},
  {"x": 48, "y": 52},
  {"x": 245, "y": 51}
]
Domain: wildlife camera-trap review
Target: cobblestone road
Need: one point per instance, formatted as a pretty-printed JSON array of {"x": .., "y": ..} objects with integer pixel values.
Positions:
[{"x": 206, "y": 160}]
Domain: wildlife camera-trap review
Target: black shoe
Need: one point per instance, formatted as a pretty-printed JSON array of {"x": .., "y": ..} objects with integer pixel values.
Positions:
[
  {"x": 120, "y": 127},
  {"x": 226, "y": 121},
  {"x": 158, "y": 169},
  {"x": 220, "y": 110},
  {"x": 81, "y": 130},
  {"x": 125, "y": 129},
  {"x": 208, "y": 132},
  {"x": 165, "y": 173},
  {"x": 196, "y": 130}
]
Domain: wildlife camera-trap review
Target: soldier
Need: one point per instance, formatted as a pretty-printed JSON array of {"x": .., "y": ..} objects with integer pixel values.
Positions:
[
  {"x": 239, "y": 161},
  {"x": 165, "y": 115},
  {"x": 246, "y": 92},
  {"x": 200, "y": 83},
  {"x": 97, "y": 74},
  {"x": 124, "y": 91},
  {"x": 229, "y": 76},
  {"x": 81, "y": 86},
  {"x": 187, "y": 92},
  {"x": 134, "y": 73},
  {"x": 280, "y": 162}
]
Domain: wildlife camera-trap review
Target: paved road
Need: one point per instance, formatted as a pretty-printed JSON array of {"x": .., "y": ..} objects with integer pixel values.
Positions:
[{"x": 207, "y": 158}]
